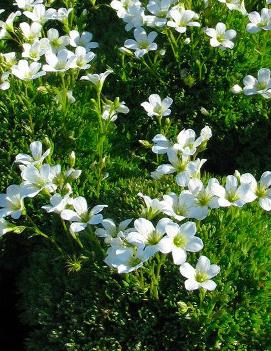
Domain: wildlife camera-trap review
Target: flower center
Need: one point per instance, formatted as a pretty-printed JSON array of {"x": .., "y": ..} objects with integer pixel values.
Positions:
[
  {"x": 144, "y": 44},
  {"x": 153, "y": 238},
  {"x": 261, "y": 85},
  {"x": 180, "y": 210},
  {"x": 220, "y": 37},
  {"x": 261, "y": 191},
  {"x": 201, "y": 277},
  {"x": 232, "y": 196},
  {"x": 180, "y": 241},
  {"x": 16, "y": 205},
  {"x": 181, "y": 166},
  {"x": 56, "y": 43},
  {"x": 204, "y": 198}
]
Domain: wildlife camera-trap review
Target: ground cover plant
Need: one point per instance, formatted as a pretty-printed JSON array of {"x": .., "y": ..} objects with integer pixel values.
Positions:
[{"x": 130, "y": 238}]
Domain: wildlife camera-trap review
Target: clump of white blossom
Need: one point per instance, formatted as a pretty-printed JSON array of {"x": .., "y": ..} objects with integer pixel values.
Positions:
[{"x": 253, "y": 86}]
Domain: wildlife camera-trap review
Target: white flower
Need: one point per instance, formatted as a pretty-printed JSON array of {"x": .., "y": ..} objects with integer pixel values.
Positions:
[
  {"x": 10, "y": 59},
  {"x": 27, "y": 4},
  {"x": 180, "y": 239},
  {"x": 110, "y": 230},
  {"x": 182, "y": 165},
  {"x": 110, "y": 110},
  {"x": 156, "y": 106},
  {"x": 161, "y": 144},
  {"x": 231, "y": 194},
  {"x": 57, "y": 42},
  {"x": 261, "y": 86},
  {"x": 201, "y": 276},
  {"x": 122, "y": 6},
  {"x": 143, "y": 42},
  {"x": 146, "y": 234},
  {"x": 178, "y": 207},
  {"x": 36, "y": 180},
  {"x": 33, "y": 51},
  {"x": 82, "y": 216},
  {"x": 59, "y": 62},
  {"x": 125, "y": 259},
  {"x": 237, "y": 5},
  {"x": 259, "y": 21},
  {"x": 159, "y": 8},
  {"x": 153, "y": 206},
  {"x": 84, "y": 40},
  {"x": 31, "y": 32},
  {"x": 40, "y": 14},
  {"x": 12, "y": 203},
  {"x": 220, "y": 37},
  {"x": 134, "y": 17},
  {"x": 204, "y": 197},
  {"x": 81, "y": 58},
  {"x": 181, "y": 18},
  {"x": 4, "y": 83},
  {"x": 7, "y": 26},
  {"x": 25, "y": 71},
  {"x": 37, "y": 156},
  {"x": 97, "y": 79},
  {"x": 187, "y": 142},
  {"x": 62, "y": 14},
  {"x": 58, "y": 203},
  {"x": 260, "y": 191}
]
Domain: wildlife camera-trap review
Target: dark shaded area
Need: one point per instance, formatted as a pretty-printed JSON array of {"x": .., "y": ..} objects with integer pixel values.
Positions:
[{"x": 12, "y": 331}]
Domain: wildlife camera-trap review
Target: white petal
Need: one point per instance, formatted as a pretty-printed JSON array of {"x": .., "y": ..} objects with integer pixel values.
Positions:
[
  {"x": 187, "y": 271},
  {"x": 203, "y": 264},
  {"x": 208, "y": 285},
  {"x": 191, "y": 284},
  {"x": 179, "y": 255}
]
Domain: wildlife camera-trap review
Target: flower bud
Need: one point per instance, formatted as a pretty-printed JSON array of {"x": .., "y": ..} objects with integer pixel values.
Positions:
[
  {"x": 167, "y": 121},
  {"x": 183, "y": 308},
  {"x": 204, "y": 111},
  {"x": 125, "y": 51},
  {"x": 236, "y": 89},
  {"x": 145, "y": 143},
  {"x": 72, "y": 159}
]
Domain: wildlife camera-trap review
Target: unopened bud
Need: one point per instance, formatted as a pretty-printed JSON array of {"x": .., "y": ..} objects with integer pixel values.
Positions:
[
  {"x": 126, "y": 51},
  {"x": 187, "y": 41},
  {"x": 236, "y": 89},
  {"x": 237, "y": 175},
  {"x": 73, "y": 173},
  {"x": 42, "y": 89},
  {"x": 72, "y": 159},
  {"x": 167, "y": 121},
  {"x": 145, "y": 143},
  {"x": 183, "y": 308},
  {"x": 204, "y": 111}
]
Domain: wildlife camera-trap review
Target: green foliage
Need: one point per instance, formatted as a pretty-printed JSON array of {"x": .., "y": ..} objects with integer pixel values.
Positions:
[
  {"x": 95, "y": 310},
  {"x": 92, "y": 308}
]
